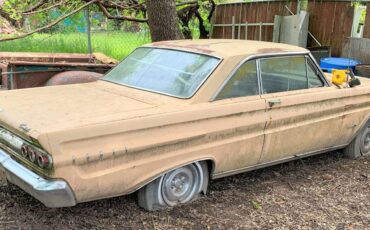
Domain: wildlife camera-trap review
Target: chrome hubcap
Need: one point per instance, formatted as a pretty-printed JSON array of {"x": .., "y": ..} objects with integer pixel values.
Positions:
[{"x": 180, "y": 185}]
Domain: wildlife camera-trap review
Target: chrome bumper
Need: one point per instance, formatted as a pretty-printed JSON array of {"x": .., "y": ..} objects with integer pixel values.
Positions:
[{"x": 52, "y": 193}]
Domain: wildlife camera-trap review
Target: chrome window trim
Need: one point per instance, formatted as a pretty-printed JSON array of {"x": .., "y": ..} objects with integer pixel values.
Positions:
[
  {"x": 232, "y": 75},
  {"x": 259, "y": 78},
  {"x": 311, "y": 65},
  {"x": 257, "y": 57},
  {"x": 305, "y": 64},
  {"x": 307, "y": 78},
  {"x": 220, "y": 59},
  {"x": 319, "y": 71}
]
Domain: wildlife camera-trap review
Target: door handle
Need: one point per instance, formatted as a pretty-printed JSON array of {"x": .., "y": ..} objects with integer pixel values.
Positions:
[{"x": 274, "y": 102}]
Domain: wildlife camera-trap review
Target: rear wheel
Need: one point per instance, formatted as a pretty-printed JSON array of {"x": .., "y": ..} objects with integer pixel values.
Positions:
[
  {"x": 178, "y": 186},
  {"x": 360, "y": 146}
]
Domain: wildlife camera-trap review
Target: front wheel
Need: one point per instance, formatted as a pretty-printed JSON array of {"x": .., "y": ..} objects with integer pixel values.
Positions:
[
  {"x": 178, "y": 186},
  {"x": 360, "y": 146}
]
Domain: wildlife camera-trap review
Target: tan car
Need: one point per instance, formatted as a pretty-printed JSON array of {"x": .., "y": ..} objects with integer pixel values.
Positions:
[{"x": 172, "y": 116}]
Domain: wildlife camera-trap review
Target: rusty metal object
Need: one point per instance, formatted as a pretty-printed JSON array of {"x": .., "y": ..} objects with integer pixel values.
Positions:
[
  {"x": 96, "y": 58},
  {"x": 26, "y": 70},
  {"x": 104, "y": 59},
  {"x": 73, "y": 77},
  {"x": 363, "y": 70}
]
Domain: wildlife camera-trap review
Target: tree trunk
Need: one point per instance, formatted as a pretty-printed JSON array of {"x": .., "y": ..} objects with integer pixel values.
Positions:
[{"x": 162, "y": 19}]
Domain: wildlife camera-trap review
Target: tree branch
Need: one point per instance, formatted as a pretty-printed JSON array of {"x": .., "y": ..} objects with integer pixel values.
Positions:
[
  {"x": 45, "y": 9},
  {"x": 122, "y": 6},
  {"x": 35, "y": 7},
  {"x": 121, "y": 17},
  {"x": 213, "y": 8},
  {"x": 51, "y": 24},
  {"x": 186, "y": 3}
]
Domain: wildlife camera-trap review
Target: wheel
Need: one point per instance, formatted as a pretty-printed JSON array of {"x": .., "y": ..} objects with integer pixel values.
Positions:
[
  {"x": 178, "y": 186},
  {"x": 360, "y": 146}
]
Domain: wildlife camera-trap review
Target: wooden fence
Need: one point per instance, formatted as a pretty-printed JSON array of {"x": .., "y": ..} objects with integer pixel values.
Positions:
[
  {"x": 358, "y": 48},
  {"x": 252, "y": 12},
  {"x": 367, "y": 22},
  {"x": 331, "y": 23},
  {"x": 330, "y": 20}
]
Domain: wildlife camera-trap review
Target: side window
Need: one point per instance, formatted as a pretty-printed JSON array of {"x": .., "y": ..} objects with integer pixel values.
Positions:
[
  {"x": 243, "y": 83},
  {"x": 314, "y": 80},
  {"x": 283, "y": 74}
]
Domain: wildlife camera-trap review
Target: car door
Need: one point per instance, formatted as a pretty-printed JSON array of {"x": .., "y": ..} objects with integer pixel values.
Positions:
[
  {"x": 304, "y": 114},
  {"x": 244, "y": 139}
]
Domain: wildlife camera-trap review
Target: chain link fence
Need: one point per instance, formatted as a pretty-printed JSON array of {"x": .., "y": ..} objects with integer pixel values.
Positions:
[{"x": 77, "y": 33}]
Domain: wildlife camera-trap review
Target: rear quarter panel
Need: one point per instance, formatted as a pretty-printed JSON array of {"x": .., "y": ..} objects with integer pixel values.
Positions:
[{"x": 119, "y": 157}]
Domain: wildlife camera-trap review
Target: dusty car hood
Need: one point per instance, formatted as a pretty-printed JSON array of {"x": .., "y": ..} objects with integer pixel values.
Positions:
[{"x": 35, "y": 110}]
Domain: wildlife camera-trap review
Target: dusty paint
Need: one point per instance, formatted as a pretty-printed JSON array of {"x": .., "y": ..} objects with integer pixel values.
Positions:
[
  {"x": 198, "y": 48},
  {"x": 271, "y": 50},
  {"x": 109, "y": 140},
  {"x": 227, "y": 48}
]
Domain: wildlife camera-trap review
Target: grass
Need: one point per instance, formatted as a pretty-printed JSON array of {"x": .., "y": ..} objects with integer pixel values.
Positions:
[{"x": 114, "y": 44}]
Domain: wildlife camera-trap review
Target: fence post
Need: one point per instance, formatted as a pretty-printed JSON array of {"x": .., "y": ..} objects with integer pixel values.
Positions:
[
  {"x": 88, "y": 30},
  {"x": 239, "y": 30},
  {"x": 260, "y": 32},
  {"x": 246, "y": 30},
  {"x": 233, "y": 28},
  {"x": 213, "y": 21}
]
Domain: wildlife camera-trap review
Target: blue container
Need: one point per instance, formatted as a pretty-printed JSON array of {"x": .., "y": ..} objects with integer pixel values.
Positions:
[{"x": 328, "y": 64}]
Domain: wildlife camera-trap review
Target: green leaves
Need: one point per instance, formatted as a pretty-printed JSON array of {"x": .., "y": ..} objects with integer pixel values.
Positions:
[{"x": 256, "y": 204}]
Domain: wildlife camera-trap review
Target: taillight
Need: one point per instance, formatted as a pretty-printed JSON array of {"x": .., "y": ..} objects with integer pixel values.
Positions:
[
  {"x": 36, "y": 156},
  {"x": 27, "y": 151},
  {"x": 24, "y": 150},
  {"x": 43, "y": 161},
  {"x": 32, "y": 155}
]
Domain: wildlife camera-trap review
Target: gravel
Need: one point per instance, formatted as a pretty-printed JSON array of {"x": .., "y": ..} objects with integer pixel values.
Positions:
[{"x": 321, "y": 192}]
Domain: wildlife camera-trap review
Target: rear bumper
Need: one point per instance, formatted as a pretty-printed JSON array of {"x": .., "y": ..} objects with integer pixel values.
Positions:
[{"x": 52, "y": 193}]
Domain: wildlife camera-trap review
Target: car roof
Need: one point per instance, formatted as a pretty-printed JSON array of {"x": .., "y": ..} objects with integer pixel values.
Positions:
[{"x": 228, "y": 48}]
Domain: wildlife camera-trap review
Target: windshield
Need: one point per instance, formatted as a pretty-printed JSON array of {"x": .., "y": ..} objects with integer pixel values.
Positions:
[{"x": 170, "y": 72}]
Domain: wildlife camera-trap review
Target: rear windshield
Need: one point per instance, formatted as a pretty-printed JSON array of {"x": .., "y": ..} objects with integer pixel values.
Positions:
[{"x": 171, "y": 72}]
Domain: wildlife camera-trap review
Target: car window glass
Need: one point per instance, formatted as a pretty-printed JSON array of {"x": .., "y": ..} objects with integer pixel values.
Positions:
[
  {"x": 314, "y": 80},
  {"x": 171, "y": 72},
  {"x": 243, "y": 83},
  {"x": 283, "y": 74}
]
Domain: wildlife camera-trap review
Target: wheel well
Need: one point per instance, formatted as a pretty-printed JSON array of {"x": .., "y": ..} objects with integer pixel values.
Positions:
[
  {"x": 366, "y": 121},
  {"x": 211, "y": 167}
]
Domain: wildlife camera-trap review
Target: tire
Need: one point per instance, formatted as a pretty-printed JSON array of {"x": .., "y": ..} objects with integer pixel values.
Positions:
[
  {"x": 181, "y": 185},
  {"x": 360, "y": 145}
]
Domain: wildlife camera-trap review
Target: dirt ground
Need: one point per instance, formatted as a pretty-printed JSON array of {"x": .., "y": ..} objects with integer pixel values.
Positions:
[{"x": 321, "y": 192}]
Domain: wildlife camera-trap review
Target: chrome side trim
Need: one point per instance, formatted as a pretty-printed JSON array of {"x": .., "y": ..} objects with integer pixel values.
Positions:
[
  {"x": 267, "y": 164},
  {"x": 52, "y": 193}
]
